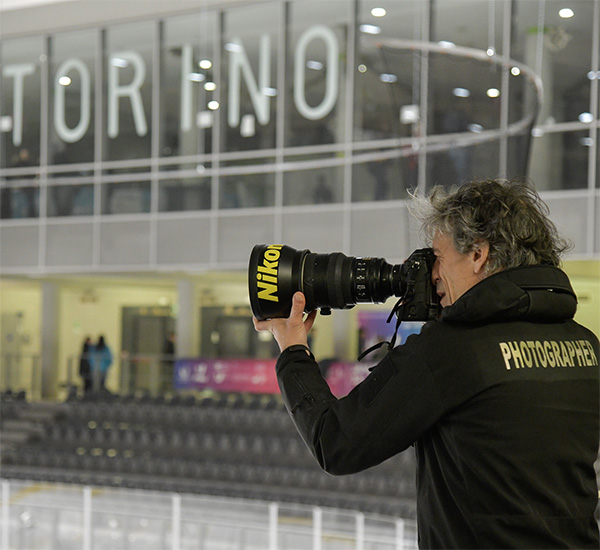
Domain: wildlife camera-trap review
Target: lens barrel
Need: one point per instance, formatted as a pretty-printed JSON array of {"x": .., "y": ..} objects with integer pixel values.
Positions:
[{"x": 327, "y": 281}]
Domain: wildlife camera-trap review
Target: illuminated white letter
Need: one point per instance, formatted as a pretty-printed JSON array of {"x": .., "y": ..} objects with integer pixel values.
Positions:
[
  {"x": 115, "y": 91},
  {"x": 71, "y": 135},
  {"x": 331, "y": 83},
  {"x": 18, "y": 72},
  {"x": 239, "y": 63}
]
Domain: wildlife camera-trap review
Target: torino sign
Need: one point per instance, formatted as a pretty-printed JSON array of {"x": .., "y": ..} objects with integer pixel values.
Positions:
[{"x": 258, "y": 87}]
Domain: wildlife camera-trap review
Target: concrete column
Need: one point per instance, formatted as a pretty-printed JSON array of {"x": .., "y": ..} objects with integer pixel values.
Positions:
[
  {"x": 49, "y": 344},
  {"x": 187, "y": 320}
]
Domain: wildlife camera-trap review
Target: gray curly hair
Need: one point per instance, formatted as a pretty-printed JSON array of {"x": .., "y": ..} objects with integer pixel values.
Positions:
[{"x": 510, "y": 216}]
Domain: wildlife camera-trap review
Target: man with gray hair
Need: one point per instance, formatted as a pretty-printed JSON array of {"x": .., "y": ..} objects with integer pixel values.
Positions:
[{"x": 499, "y": 395}]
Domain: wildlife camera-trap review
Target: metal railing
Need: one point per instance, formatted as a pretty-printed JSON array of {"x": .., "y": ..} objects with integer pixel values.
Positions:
[{"x": 49, "y": 516}]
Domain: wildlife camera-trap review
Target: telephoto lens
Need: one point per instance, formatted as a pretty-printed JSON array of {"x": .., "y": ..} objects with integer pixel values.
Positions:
[{"x": 336, "y": 281}]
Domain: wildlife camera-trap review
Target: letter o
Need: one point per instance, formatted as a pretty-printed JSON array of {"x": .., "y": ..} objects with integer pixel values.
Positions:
[
  {"x": 71, "y": 135},
  {"x": 331, "y": 82},
  {"x": 271, "y": 254}
]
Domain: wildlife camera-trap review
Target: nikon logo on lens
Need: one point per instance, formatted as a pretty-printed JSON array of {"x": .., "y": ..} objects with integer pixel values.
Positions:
[{"x": 337, "y": 281}]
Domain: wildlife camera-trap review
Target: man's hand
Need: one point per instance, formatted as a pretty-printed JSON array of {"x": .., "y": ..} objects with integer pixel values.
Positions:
[{"x": 294, "y": 329}]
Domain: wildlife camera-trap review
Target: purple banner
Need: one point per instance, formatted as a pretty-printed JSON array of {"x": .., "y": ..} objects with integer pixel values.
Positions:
[
  {"x": 255, "y": 376},
  {"x": 226, "y": 375}
]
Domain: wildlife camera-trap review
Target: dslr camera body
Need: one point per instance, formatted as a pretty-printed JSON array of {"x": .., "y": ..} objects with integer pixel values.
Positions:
[{"x": 336, "y": 281}]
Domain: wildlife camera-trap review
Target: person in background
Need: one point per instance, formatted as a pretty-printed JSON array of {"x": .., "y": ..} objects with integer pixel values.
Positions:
[
  {"x": 85, "y": 369},
  {"x": 101, "y": 362},
  {"x": 499, "y": 395}
]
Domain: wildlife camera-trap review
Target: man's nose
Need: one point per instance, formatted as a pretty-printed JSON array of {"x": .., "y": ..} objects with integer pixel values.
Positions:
[{"x": 435, "y": 277}]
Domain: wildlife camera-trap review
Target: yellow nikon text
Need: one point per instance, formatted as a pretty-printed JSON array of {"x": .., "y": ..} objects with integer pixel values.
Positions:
[{"x": 267, "y": 273}]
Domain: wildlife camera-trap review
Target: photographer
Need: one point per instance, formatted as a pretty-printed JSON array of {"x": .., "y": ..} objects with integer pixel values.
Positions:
[{"x": 499, "y": 395}]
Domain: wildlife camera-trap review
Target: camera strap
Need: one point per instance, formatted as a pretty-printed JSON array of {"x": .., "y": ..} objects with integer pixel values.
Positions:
[{"x": 397, "y": 309}]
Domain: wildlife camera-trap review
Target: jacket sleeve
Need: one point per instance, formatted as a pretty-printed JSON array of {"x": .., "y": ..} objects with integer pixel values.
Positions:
[{"x": 380, "y": 417}]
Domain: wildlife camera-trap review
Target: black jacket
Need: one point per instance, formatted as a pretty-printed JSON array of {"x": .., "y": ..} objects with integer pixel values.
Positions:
[{"x": 500, "y": 397}]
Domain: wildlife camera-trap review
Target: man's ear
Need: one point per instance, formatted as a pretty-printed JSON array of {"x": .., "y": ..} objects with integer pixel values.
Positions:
[{"x": 480, "y": 255}]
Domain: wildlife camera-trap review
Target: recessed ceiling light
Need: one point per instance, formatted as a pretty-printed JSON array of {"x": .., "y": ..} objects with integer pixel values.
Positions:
[
  {"x": 387, "y": 77},
  {"x": 461, "y": 92},
  {"x": 370, "y": 29},
  {"x": 566, "y": 13},
  {"x": 378, "y": 12},
  {"x": 493, "y": 92},
  {"x": 64, "y": 81},
  {"x": 515, "y": 71},
  {"x": 205, "y": 64}
]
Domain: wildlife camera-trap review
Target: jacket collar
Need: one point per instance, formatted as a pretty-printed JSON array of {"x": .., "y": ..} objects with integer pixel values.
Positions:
[{"x": 541, "y": 293}]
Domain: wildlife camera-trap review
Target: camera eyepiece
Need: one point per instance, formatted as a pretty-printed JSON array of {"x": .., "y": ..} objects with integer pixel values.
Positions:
[{"x": 337, "y": 281}]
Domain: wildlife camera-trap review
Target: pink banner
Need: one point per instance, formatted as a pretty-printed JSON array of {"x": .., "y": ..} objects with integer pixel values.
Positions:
[
  {"x": 255, "y": 376},
  {"x": 226, "y": 375}
]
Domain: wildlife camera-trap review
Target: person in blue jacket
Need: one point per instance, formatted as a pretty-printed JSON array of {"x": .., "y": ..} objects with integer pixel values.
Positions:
[
  {"x": 499, "y": 395},
  {"x": 101, "y": 361}
]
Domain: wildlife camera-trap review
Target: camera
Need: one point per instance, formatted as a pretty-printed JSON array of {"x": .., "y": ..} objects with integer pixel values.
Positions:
[{"x": 336, "y": 281}]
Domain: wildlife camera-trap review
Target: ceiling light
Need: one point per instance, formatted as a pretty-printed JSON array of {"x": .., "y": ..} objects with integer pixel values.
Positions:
[
  {"x": 314, "y": 65},
  {"x": 475, "y": 128},
  {"x": 370, "y": 29},
  {"x": 233, "y": 47},
  {"x": 205, "y": 64},
  {"x": 493, "y": 92},
  {"x": 119, "y": 62},
  {"x": 210, "y": 86},
  {"x": 446, "y": 44},
  {"x": 213, "y": 105},
  {"x": 378, "y": 12},
  {"x": 537, "y": 132},
  {"x": 64, "y": 81},
  {"x": 566, "y": 13},
  {"x": 586, "y": 117},
  {"x": 196, "y": 77},
  {"x": 587, "y": 141},
  {"x": 490, "y": 52},
  {"x": 515, "y": 71},
  {"x": 461, "y": 92},
  {"x": 362, "y": 68},
  {"x": 271, "y": 92},
  {"x": 388, "y": 78}
]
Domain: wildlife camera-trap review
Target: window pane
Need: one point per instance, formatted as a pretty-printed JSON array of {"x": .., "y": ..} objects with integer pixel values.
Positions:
[
  {"x": 187, "y": 73},
  {"x": 383, "y": 179},
  {"x": 249, "y": 69},
  {"x": 184, "y": 194},
  {"x": 468, "y": 23},
  {"x": 19, "y": 201},
  {"x": 128, "y": 91},
  {"x": 459, "y": 164},
  {"x": 72, "y": 85},
  {"x": 315, "y": 186},
  {"x": 126, "y": 197},
  {"x": 247, "y": 190},
  {"x": 71, "y": 200},
  {"x": 315, "y": 85},
  {"x": 464, "y": 95},
  {"x": 565, "y": 51},
  {"x": 21, "y": 62},
  {"x": 386, "y": 76}
]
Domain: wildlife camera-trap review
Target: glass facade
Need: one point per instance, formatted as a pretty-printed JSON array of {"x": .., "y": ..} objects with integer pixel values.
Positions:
[{"x": 248, "y": 115}]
